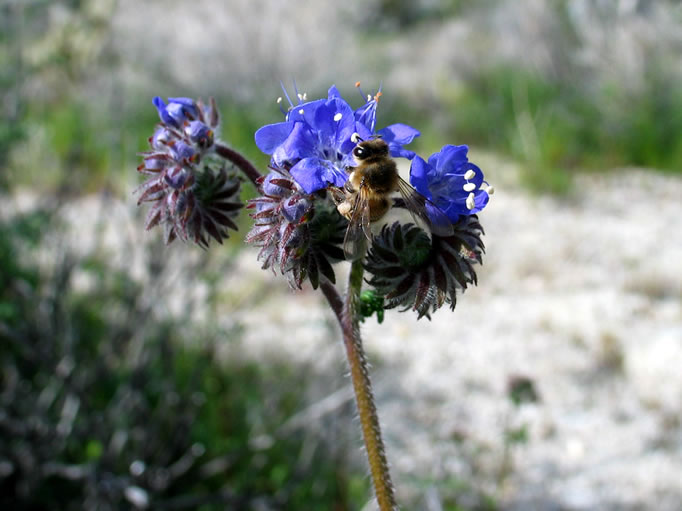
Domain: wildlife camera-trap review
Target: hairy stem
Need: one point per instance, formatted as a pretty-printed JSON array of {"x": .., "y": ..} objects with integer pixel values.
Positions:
[
  {"x": 362, "y": 386},
  {"x": 240, "y": 162},
  {"x": 347, "y": 315}
]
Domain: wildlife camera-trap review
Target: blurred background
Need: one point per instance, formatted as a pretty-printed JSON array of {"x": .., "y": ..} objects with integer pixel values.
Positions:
[{"x": 138, "y": 376}]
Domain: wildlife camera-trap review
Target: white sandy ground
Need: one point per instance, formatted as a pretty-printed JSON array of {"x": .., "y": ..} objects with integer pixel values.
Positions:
[{"x": 583, "y": 295}]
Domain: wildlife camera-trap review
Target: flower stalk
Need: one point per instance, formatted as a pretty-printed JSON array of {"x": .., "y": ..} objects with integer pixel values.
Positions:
[
  {"x": 238, "y": 161},
  {"x": 359, "y": 371}
]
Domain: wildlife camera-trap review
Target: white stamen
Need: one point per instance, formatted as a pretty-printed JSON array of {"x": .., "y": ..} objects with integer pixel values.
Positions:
[
  {"x": 469, "y": 187},
  {"x": 305, "y": 96},
  {"x": 354, "y": 138},
  {"x": 490, "y": 190},
  {"x": 469, "y": 174},
  {"x": 300, "y": 96},
  {"x": 369, "y": 97},
  {"x": 301, "y": 111},
  {"x": 338, "y": 116},
  {"x": 470, "y": 201},
  {"x": 279, "y": 100}
]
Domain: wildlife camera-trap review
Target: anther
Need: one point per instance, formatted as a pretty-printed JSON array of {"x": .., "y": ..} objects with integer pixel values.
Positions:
[
  {"x": 357, "y": 84},
  {"x": 469, "y": 187},
  {"x": 469, "y": 174},
  {"x": 470, "y": 201},
  {"x": 490, "y": 190},
  {"x": 338, "y": 116},
  {"x": 279, "y": 100},
  {"x": 301, "y": 111},
  {"x": 354, "y": 138}
]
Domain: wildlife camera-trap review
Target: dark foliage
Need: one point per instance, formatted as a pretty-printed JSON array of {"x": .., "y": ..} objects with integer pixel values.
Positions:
[{"x": 103, "y": 408}]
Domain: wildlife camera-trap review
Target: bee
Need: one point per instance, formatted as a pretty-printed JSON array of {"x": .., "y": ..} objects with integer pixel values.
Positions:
[{"x": 366, "y": 197}]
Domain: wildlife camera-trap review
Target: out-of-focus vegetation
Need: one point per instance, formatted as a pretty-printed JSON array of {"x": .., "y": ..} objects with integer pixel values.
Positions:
[
  {"x": 554, "y": 127},
  {"x": 102, "y": 406},
  {"x": 560, "y": 87}
]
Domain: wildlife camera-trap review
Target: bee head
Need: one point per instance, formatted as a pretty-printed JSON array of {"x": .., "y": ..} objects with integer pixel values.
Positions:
[{"x": 375, "y": 147}]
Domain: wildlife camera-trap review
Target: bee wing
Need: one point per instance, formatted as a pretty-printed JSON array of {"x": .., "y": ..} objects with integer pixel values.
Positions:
[
  {"x": 421, "y": 207},
  {"x": 358, "y": 232}
]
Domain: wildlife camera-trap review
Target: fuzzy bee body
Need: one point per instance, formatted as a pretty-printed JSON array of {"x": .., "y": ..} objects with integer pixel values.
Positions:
[{"x": 367, "y": 197}]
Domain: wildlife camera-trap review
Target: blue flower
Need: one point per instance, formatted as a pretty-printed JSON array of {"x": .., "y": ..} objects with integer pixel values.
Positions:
[
  {"x": 177, "y": 177},
  {"x": 177, "y": 111},
  {"x": 315, "y": 142},
  {"x": 182, "y": 152},
  {"x": 199, "y": 133},
  {"x": 159, "y": 140},
  {"x": 451, "y": 182}
]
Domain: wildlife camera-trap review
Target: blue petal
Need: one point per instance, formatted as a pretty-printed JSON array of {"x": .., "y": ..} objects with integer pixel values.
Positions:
[
  {"x": 478, "y": 177},
  {"x": 481, "y": 200},
  {"x": 451, "y": 158},
  {"x": 181, "y": 108},
  {"x": 189, "y": 102},
  {"x": 334, "y": 122},
  {"x": 367, "y": 115},
  {"x": 455, "y": 209},
  {"x": 176, "y": 177},
  {"x": 419, "y": 170},
  {"x": 197, "y": 130},
  {"x": 160, "y": 138},
  {"x": 397, "y": 151},
  {"x": 301, "y": 143},
  {"x": 305, "y": 112},
  {"x": 363, "y": 132},
  {"x": 271, "y": 189},
  {"x": 308, "y": 174},
  {"x": 163, "y": 112},
  {"x": 313, "y": 174},
  {"x": 182, "y": 150},
  {"x": 398, "y": 133},
  {"x": 294, "y": 208},
  {"x": 333, "y": 92},
  {"x": 269, "y": 137}
]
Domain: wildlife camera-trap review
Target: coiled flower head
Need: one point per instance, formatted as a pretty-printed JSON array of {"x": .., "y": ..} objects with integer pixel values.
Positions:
[
  {"x": 193, "y": 196},
  {"x": 411, "y": 270},
  {"x": 298, "y": 233}
]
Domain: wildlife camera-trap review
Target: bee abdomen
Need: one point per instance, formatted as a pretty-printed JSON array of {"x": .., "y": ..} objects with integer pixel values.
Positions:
[{"x": 378, "y": 207}]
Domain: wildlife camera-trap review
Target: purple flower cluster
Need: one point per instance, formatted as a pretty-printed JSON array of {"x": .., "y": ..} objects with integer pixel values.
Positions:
[
  {"x": 315, "y": 141},
  {"x": 189, "y": 200}
]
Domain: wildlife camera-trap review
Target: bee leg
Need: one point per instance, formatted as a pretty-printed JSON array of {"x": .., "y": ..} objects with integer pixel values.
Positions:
[{"x": 349, "y": 183}]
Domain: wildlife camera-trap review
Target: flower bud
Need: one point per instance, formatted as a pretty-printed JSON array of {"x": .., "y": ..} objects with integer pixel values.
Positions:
[{"x": 297, "y": 234}]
